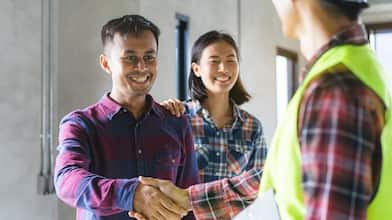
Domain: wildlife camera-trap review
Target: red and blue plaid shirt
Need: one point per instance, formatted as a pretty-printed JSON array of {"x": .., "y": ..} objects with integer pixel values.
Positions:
[
  {"x": 340, "y": 127},
  {"x": 103, "y": 149},
  {"x": 228, "y": 151},
  {"x": 340, "y": 124}
]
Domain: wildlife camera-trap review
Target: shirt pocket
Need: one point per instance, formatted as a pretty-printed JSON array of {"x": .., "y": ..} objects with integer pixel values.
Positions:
[
  {"x": 166, "y": 162},
  {"x": 169, "y": 156},
  {"x": 239, "y": 155},
  {"x": 203, "y": 152}
]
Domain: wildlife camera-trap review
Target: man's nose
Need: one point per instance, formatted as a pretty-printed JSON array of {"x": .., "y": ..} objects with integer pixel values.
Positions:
[{"x": 141, "y": 64}]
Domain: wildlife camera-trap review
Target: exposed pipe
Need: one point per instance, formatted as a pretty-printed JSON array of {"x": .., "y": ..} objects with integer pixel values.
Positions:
[
  {"x": 239, "y": 14},
  {"x": 45, "y": 175}
]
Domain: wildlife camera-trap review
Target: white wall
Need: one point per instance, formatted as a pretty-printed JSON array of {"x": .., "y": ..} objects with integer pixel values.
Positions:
[{"x": 20, "y": 61}]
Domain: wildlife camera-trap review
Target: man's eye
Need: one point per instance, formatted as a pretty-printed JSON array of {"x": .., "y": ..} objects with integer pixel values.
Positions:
[
  {"x": 149, "y": 58},
  {"x": 131, "y": 58},
  {"x": 214, "y": 61}
]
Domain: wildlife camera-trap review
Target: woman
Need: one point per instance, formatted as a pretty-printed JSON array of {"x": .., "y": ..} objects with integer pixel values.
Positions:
[{"x": 228, "y": 140}]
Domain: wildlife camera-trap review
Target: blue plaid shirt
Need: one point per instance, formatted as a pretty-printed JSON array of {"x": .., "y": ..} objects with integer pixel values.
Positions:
[{"x": 229, "y": 151}]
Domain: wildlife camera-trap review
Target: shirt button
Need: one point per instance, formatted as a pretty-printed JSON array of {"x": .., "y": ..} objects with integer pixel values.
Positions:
[
  {"x": 139, "y": 151},
  {"x": 217, "y": 154},
  {"x": 124, "y": 110},
  {"x": 218, "y": 133},
  {"x": 173, "y": 161}
]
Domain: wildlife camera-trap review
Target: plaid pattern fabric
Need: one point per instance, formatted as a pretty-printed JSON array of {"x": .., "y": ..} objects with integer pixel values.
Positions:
[
  {"x": 103, "y": 149},
  {"x": 223, "y": 199},
  {"x": 229, "y": 151},
  {"x": 340, "y": 124}
]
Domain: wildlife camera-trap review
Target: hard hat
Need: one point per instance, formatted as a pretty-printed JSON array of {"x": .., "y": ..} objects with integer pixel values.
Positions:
[{"x": 362, "y": 3}]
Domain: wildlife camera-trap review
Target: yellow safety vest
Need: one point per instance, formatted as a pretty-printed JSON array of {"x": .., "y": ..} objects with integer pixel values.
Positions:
[{"x": 282, "y": 171}]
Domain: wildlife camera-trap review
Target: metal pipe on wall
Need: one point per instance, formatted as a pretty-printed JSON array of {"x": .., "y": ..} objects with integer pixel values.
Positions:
[
  {"x": 239, "y": 14},
  {"x": 45, "y": 176}
]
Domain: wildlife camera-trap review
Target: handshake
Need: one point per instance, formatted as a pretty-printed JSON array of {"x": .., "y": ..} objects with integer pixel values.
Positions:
[{"x": 157, "y": 199}]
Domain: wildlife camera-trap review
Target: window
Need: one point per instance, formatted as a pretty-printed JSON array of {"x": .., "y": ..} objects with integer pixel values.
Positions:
[
  {"x": 380, "y": 37},
  {"x": 182, "y": 42},
  {"x": 286, "y": 78}
]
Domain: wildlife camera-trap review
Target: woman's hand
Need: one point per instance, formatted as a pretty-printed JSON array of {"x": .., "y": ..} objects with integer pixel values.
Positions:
[{"x": 175, "y": 107}]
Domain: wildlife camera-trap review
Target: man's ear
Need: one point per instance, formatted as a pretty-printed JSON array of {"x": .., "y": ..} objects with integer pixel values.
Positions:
[
  {"x": 104, "y": 61},
  {"x": 196, "y": 69}
]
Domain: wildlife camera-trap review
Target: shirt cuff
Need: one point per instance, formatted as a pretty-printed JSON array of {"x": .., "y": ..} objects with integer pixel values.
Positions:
[{"x": 125, "y": 193}]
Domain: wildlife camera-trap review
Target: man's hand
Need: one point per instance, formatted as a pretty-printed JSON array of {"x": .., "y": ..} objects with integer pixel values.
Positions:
[
  {"x": 150, "y": 203},
  {"x": 175, "y": 107},
  {"x": 177, "y": 195},
  {"x": 136, "y": 215}
]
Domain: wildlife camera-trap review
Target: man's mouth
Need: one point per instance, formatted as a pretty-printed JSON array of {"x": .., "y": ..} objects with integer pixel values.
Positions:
[{"x": 139, "y": 78}]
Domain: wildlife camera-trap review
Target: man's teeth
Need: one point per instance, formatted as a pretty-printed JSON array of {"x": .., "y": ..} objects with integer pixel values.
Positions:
[{"x": 139, "y": 79}]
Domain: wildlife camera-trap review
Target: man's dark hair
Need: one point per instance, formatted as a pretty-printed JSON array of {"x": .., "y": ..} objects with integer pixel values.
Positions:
[
  {"x": 349, "y": 9},
  {"x": 197, "y": 89},
  {"x": 128, "y": 24}
]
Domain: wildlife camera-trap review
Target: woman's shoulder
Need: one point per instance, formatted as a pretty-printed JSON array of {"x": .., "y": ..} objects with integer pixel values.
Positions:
[
  {"x": 191, "y": 106},
  {"x": 249, "y": 118}
]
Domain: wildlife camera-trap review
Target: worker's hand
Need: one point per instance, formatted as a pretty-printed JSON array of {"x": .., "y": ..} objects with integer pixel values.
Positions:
[
  {"x": 175, "y": 107},
  {"x": 177, "y": 195},
  {"x": 151, "y": 203}
]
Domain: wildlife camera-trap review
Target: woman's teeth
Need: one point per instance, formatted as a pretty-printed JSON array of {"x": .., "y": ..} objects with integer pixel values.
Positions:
[{"x": 222, "y": 78}]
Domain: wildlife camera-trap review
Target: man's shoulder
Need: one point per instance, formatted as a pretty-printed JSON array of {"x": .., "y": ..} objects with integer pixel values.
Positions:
[
  {"x": 169, "y": 119},
  {"x": 89, "y": 113}
]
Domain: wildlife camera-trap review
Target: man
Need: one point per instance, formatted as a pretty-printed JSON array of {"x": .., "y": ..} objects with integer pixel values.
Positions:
[
  {"x": 331, "y": 156},
  {"x": 106, "y": 146}
]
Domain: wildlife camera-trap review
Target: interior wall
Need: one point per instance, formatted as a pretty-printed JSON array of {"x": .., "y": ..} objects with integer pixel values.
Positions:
[{"x": 20, "y": 87}]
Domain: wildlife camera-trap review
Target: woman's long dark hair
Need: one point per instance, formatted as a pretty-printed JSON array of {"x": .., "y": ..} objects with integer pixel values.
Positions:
[{"x": 197, "y": 89}]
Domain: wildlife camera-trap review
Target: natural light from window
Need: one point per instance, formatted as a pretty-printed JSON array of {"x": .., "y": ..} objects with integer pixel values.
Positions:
[
  {"x": 382, "y": 43},
  {"x": 282, "y": 84}
]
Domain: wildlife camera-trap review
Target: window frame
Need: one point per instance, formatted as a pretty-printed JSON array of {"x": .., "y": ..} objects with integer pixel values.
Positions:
[{"x": 182, "y": 51}]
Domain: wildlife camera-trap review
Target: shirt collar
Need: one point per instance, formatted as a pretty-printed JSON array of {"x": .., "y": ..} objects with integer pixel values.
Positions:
[
  {"x": 198, "y": 108},
  {"x": 354, "y": 34},
  {"x": 111, "y": 107}
]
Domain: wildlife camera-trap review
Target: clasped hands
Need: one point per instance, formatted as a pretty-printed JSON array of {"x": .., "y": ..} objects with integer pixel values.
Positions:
[{"x": 157, "y": 199}]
